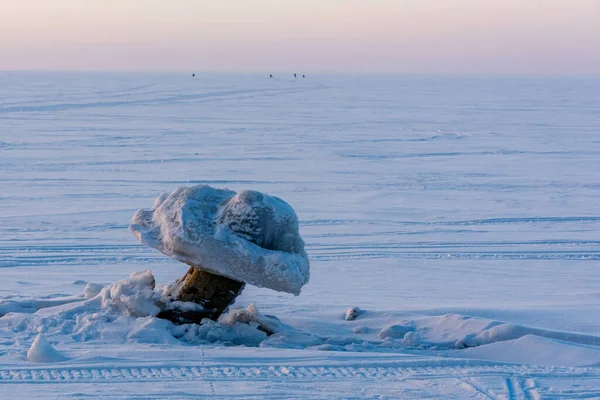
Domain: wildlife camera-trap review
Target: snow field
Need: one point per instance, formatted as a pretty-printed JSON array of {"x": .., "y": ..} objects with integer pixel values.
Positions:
[{"x": 459, "y": 214}]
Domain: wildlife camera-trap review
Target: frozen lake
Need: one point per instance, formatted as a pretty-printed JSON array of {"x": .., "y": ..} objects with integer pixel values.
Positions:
[{"x": 473, "y": 198}]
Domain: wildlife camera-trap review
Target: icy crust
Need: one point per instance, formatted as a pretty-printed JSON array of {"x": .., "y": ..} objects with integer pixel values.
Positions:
[{"x": 249, "y": 236}]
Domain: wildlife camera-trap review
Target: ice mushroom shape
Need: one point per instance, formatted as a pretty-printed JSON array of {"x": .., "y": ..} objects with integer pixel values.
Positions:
[{"x": 248, "y": 236}]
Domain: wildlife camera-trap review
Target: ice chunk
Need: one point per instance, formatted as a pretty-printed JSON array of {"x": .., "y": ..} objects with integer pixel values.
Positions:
[
  {"x": 251, "y": 314},
  {"x": 239, "y": 334},
  {"x": 41, "y": 351},
  {"x": 91, "y": 290},
  {"x": 352, "y": 313},
  {"x": 135, "y": 295},
  {"x": 266, "y": 221},
  {"x": 249, "y": 236}
]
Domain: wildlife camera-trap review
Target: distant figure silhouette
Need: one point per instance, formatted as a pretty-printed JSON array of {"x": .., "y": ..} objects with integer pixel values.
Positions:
[
  {"x": 294, "y": 75},
  {"x": 193, "y": 75},
  {"x": 270, "y": 75},
  {"x": 303, "y": 76}
]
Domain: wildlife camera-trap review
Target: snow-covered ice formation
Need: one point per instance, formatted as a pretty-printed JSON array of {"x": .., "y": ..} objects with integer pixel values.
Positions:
[
  {"x": 249, "y": 236},
  {"x": 136, "y": 295}
]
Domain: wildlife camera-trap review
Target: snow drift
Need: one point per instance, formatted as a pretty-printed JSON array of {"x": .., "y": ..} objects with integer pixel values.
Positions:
[{"x": 124, "y": 312}]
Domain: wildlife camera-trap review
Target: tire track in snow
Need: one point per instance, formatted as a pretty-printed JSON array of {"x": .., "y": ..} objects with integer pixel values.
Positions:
[
  {"x": 530, "y": 389},
  {"x": 97, "y": 259},
  {"x": 161, "y": 100},
  {"x": 486, "y": 221},
  {"x": 469, "y": 385},
  {"x": 94, "y": 255},
  {"x": 515, "y": 374},
  {"x": 515, "y": 389},
  {"x": 571, "y": 256}
]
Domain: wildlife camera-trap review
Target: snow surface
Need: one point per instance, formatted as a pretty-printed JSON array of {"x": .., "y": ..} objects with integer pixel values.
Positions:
[
  {"x": 459, "y": 214},
  {"x": 247, "y": 236}
]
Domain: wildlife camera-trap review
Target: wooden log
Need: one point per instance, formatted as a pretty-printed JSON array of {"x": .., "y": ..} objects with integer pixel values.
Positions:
[{"x": 212, "y": 293}]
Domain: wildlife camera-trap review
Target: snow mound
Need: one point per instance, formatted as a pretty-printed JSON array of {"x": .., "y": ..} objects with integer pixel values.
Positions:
[
  {"x": 455, "y": 331},
  {"x": 134, "y": 296},
  {"x": 249, "y": 236},
  {"x": 41, "y": 351},
  {"x": 92, "y": 290},
  {"x": 361, "y": 329},
  {"x": 536, "y": 350},
  {"x": 151, "y": 330},
  {"x": 396, "y": 331}
]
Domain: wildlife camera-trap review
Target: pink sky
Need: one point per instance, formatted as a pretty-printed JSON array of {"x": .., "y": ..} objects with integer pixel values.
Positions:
[{"x": 405, "y": 36}]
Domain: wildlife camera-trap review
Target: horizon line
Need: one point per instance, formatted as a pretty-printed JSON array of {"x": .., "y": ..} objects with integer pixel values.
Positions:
[{"x": 313, "y": 72}]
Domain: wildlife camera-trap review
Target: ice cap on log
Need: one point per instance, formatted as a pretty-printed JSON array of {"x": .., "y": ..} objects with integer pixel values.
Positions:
[{"x": 248, "y": 237}]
